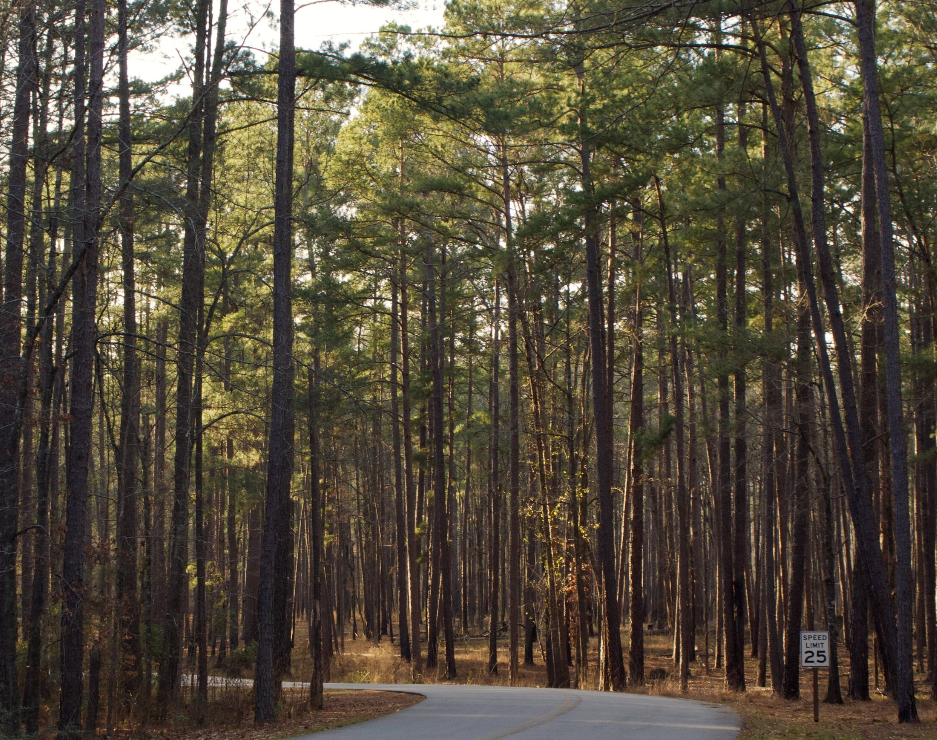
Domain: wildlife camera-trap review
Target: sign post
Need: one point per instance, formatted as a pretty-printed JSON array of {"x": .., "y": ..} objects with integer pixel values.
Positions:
[{"x": 815, "y": 654}]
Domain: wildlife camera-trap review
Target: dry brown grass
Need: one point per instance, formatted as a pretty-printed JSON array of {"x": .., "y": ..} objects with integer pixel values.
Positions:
[
  {"x": 231, "y": 715},
  {"x": 768, "y": 716},
  {"x": 365, "y": 662},
  {"x": 764, "y": 714}
]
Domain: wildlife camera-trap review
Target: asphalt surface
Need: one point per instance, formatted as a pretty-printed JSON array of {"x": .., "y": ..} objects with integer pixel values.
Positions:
[{"x": 456, "y": 712}]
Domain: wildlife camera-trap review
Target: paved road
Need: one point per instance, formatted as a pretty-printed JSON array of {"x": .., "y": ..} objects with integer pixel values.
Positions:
[{"x": 454, "y": 712}]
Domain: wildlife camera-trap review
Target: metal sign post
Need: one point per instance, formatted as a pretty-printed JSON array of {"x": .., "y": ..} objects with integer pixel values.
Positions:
[{"x": 815, "y": 654}]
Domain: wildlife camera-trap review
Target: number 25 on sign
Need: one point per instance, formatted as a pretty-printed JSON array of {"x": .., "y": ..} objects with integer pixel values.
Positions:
[{"x": 815, "y": 653}]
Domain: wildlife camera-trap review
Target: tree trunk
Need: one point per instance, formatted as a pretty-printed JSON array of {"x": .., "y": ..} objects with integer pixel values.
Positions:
[
  {"x": 399, "y": 492},
  {"x": 801, "y": 509},
  {"x": 773, "y": 404},
  {"x": 494, "y": 488},
  {"x": 50, "y": 386},
  {"x": 849, "y": 452},
  {"x": 467, "y": 494},
  {"x": 252, "y": 574},
  {"x": 10, "y": 370},
  {"x": 868, "y": 417},
  {"x": 36, "y": 292},
  {"x": 275, "y": 561},
  {"x": 582, "y": 641},
  {"x": 699, "y": 568},
  {"x": 233, "y": 595},
  {"x": 438, "y": 503},
  {"x": 413, "y": 544},
  {"x": 191, "y": 300},
  {"x": 514, "y": 522},
  {"x": 49, "y": 392},
  {"x": 928, "y": 510},
  {"x": 209, "y": 116},
  {"x": 741, "y": 556},
  {"x": 903, "y": 680},
  {"x": 734, "y": 652},
  {"x": 94, "y": 689},
  {"x": 84, "y": 334},
  {"x": 200, "y": 704},
  {"x": 834, "y": 693},
  {"x": 316, "y": 695},
  {"x": 126, "y": 591},
  {"x": 636, "y": 478},
  {"x": 530, "y": 597},
  {"x": 683, "y": 504},
  {"x": 602, "y": 404},
  {"x": 440, "y": 509},
  {"x": 157, "y": 542}
]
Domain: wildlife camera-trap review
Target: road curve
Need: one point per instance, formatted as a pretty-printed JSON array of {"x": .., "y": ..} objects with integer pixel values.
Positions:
[{"x": 458, "y": 712}]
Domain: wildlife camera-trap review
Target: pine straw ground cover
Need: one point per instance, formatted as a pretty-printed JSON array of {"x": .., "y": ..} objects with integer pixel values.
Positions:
[
  {"x": 231, "y": 717},
  {"x": 764, "y": 714}
]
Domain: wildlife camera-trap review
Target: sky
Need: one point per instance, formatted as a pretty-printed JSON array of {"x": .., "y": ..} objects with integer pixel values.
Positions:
[{"x": 316, "y": 23}]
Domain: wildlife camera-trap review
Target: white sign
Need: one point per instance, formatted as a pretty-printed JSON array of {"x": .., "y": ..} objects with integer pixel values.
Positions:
[{"x": 814, "y": 649}]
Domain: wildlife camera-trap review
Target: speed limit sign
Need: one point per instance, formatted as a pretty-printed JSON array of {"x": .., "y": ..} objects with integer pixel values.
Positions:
[
  {"x": 815, "y": 653},
  {"x": 814, "y": 649}
]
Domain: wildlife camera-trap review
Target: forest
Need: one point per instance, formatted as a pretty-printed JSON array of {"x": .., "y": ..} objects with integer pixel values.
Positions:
[{"x": 558, "y": 326}]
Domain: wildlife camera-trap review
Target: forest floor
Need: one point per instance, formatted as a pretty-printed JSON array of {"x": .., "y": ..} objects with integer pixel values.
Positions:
[
  {"x": 764, "y": 714},
  {"x": 231, "y": 714}
]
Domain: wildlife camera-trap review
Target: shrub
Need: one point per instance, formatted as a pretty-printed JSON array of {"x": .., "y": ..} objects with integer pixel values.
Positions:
[{"x": 241, "y": 659}]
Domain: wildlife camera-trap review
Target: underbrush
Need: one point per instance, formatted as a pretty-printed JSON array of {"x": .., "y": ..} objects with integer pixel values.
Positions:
[{"x": 239, "y": 661}]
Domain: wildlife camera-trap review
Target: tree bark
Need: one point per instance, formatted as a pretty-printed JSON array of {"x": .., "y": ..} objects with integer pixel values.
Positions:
[
  {"x": 602, "y": 404},
  {"x": 847, "y": 437},
  {"x": 275, "y": 561},
  {"x": 209, "y": 119},
  {"x": 29, "y": 541},
  {"x": 232, "y": 539},
  {"x": 437, "y": 313},
  {"x": 741, "y": 556},
  {"x": 801, "y": 509},
  {"x": 200, "y": 703},
  {"x": 734, "y": 651},
  {"x": 403, "y": 593},
  {"x": 50, "y": 386},
  {"x": 467, "y": 495},
  {"x": 514, "y": 522},
  {"x": 636, "y": 478},
  {"x": 84, "y": 335},
  {"x": 834, "y": 693},
  {"x": 191, "y": 300},
  {"x": 582, "y": 641},
  {"x": 557, "y": 665},
  {"x": 413, "y": 544},
  {"x": 683, "y": 504},
  {"x": 772, "y": 393},
  {"x": 902, "y": 668},
  {"x": 10, "y": 344},
  {"x": 316, "y": 694},
  {"x": 494, "y": 488},
  {"x": 128, "y": 453}
]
